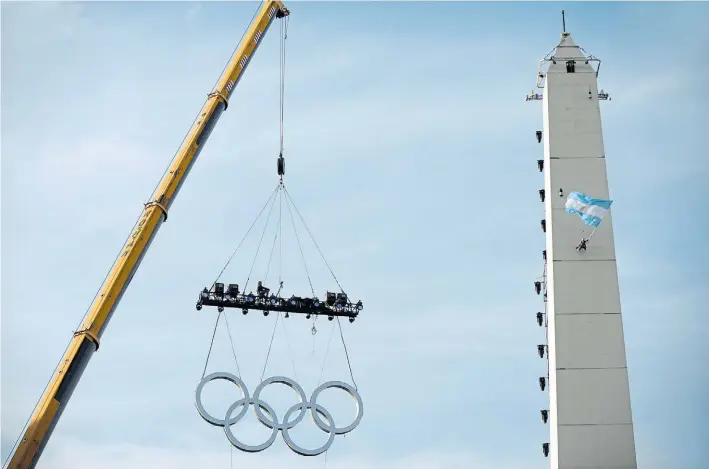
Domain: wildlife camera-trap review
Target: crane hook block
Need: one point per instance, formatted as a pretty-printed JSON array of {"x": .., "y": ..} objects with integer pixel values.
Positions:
[{"x": 281, "y": 165}]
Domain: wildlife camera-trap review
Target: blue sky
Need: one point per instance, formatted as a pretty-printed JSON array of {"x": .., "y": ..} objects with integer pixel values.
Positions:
[{"x": 408, "y": 142}]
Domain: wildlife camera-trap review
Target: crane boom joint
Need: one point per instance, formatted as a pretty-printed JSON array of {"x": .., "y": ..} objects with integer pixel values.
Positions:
[
  {"x": 90, "y": 334},
  {"x": 160, "y": 206},
  {"x": 220, "y": 95}
]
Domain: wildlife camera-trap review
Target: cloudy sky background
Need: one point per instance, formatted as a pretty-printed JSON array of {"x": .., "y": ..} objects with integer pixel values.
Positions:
[{"x": 411, "y": 155}]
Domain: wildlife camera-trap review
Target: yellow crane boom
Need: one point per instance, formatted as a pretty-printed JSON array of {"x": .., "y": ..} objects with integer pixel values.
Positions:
[{"x": 86, "y": 340}]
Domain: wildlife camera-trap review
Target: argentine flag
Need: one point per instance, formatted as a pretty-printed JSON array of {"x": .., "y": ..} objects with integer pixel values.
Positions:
[{"x": 589, "y": 209}]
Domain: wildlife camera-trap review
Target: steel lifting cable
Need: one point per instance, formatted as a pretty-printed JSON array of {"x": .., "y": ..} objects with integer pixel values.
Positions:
[
  {"x": 344, "y": 344},
  {"x": 273, "y": 246},
  {"x": 290, "y": 350},
  {"x": 268, "y": 354},
  {"x": 231, "y": 257},
  {"x": 244, "y": 238},
  {"x": 288, "y": 196},
  {"x": 280, "y": 240},
  {"x": 327, "y": 352},
  {"x": 300, "y": 247},
  {"x": 270, "y": 345},
  {"x": 261, "y": 240},
  {"x": 349, "y": 364},
  {"x": 231, "y": 342},
  {"x": 284, "y": 36},
  {"x": 211, "y": 343}
]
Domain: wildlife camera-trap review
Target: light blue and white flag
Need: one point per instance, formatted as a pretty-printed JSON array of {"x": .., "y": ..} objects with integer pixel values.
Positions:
[{"x": 589, "y": 209}]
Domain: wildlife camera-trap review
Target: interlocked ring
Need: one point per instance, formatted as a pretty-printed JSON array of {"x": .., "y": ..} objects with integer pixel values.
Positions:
[{"x": 270, "y": 419}]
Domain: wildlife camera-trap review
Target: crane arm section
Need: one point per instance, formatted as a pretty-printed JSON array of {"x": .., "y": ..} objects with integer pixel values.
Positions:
[{"x": 86, "y": 340}]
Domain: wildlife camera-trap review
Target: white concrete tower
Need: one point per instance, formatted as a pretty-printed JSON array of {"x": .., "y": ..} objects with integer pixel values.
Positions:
[{"x": 589, "y": 415}]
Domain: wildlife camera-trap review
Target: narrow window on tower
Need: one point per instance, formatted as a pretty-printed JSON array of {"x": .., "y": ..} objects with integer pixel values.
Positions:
[{"x": 570, "y": 66}]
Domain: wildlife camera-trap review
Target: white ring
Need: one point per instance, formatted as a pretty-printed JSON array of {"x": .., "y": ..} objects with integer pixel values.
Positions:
[{"x": 267, "y": 416}]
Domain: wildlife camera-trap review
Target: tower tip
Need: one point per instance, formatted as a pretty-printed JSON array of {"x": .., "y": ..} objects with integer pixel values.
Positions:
[{"x": 563, "y": 21}]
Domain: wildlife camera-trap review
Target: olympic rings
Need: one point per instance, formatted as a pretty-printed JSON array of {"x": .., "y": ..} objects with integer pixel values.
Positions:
[{"x": 267, "y": 416}]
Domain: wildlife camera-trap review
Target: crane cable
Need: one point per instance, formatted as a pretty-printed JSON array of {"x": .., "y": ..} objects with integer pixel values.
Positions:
[{"x": 284, "y": 36}]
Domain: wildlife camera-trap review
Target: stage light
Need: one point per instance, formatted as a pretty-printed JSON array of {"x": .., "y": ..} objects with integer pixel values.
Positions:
[
  {"x": 330, "y": 298},
  {"x": 540, "y": 351},
  {"x": 219, "y": 289}
]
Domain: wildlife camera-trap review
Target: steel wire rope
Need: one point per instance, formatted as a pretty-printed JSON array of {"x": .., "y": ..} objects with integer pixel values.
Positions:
[
  {"x": 268, "y": 354},
  {"x": 347, "y": 355},
  {"x": 275, "y": 238},
  {"x": 327, "y": 351},
  {"x": 272, "y": 196},
  {"x": 300, "y": 247},
  {"x": 284, "y": 36},
  {"x": 282, "y": 56},
  {"x": 258, "y": 248},
  {"x": 288, "y": 196},
  {"x": 242, "y": 239},
  {"x": 290, "y": 350},
  {"x": 231, "y": 341},
  {"x": 344, "y": 344},
  {"x": 280, "y": 238},
  {"x": 211, "y": 343}
]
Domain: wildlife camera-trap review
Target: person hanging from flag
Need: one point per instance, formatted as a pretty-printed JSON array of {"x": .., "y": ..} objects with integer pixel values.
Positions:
[{"x": 590, "y": 210}]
